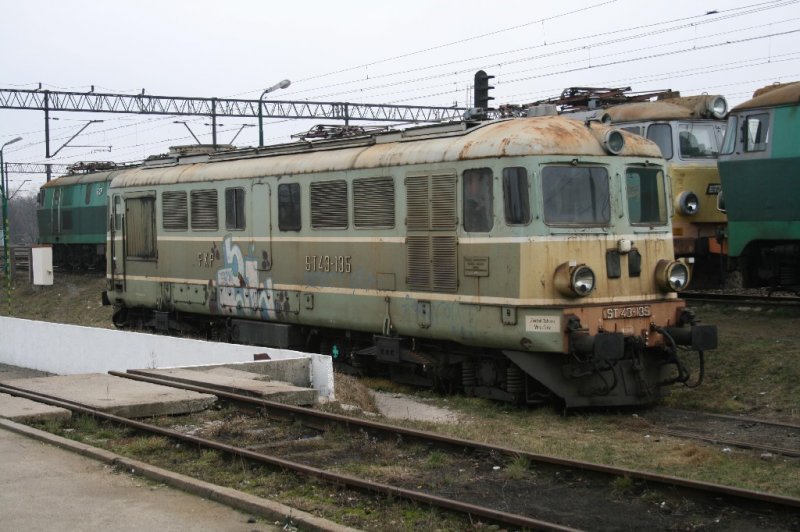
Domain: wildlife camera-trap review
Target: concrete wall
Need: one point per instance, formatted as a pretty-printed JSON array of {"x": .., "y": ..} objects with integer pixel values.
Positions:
[{"x": 71, "y": 349}]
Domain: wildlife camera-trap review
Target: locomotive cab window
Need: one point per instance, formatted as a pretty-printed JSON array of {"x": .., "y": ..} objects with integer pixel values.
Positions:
[
  {"x": 756, "y": 132},
  {"x": 698, "y": 141},
  {"x": 515, "y": 196},
  {"x": 289, "y": 207},
  {"x": 661, "y": 134},
  {"x": 234, "y": 209},
  {"x": 646, "y": 196},
  {"x": 576, "y": 195},
  {"x": 729, "y": 144},
  {"x": 478, "y": 215}
]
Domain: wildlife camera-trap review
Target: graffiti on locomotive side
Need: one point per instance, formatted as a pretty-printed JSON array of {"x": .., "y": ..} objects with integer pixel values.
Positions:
[
  {"x": 239, "y": 290},
  {"x": 328, "y": 263}
]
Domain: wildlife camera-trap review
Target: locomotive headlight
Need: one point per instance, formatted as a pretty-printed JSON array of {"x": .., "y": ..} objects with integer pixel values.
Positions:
[
  {"x": 573, "y": 279},
  {"x": 718, "y": 106},
  {"x": 613, "y": 141},
  {"x": 688, "y": 203},
  {"x": 671, "y": 276}
]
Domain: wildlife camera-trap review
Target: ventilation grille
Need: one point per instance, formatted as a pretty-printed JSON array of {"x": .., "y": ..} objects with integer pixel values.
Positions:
[
  {"x": 373, "y": 202},
  {"x": 418, "y": 204},
  {"x": 329, "y": 205},
  {"x": 175, "y": 211},
  {"x": 432, "y": 244},
  {"x": 205, "y": 214},
  {"x": 443, "y": 202}
]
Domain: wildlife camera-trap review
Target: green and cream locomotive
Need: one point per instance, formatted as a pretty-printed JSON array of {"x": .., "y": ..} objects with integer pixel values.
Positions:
[{"x": 524, "y": 259}]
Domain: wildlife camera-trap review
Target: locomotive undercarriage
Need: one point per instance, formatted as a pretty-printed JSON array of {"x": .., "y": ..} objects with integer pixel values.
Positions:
[
  {"x": 77, "y": 257},
  {"x": 605, "y": 369},
  {"x": 775, "y": 265}
]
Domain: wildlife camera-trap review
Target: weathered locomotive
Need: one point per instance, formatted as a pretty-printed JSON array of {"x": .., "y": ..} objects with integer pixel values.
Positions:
[
  {"x": 689, "y": 131},
  {"x": 759, "y": 167},
  {"x": 523, "y": 259}
]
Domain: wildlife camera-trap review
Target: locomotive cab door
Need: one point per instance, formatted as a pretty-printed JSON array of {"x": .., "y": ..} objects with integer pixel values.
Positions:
[
  {"x": 261, "y": 225},
  {"x": 117, "y": 243},
  {"x": 55, "y": 211}
]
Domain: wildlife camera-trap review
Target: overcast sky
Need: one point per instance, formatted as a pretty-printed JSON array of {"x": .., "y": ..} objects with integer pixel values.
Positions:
[{"x": 415, "y": 52}]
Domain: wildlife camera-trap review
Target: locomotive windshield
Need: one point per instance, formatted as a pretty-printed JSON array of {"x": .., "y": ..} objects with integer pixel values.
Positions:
[
  {"x": 700, "y": 141},
  {"x": 576, "y": 195},
  {"x": 646, "y": 196}
]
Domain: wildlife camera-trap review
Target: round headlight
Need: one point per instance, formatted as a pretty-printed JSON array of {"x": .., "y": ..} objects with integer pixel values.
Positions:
[
  {"x": 573, "y": 279},
  {"x": 613, "y": 141},
  {"x": 582, "y": 280},
  {"x": 688, "y": 203},
  {"x": 718, "y": 107},
  {"x": 672, "y": 276}
]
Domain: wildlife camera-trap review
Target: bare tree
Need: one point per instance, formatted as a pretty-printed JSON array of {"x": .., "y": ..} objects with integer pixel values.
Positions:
[{"x": 23, "y": 229}]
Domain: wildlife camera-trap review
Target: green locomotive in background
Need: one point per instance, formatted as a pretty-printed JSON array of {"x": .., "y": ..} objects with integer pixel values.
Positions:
[
  {"x": 760, "y": 168},
  {"x": 71, "y": 214},
  {"x": 524, "y": 259}
]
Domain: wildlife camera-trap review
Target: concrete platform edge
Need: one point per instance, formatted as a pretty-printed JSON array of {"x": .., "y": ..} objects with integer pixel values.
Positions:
[{"x": 228, "y": 496}]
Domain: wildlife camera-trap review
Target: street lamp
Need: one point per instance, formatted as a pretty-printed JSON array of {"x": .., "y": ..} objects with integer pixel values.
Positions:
[
  {"x": 280, "y": 85},
  {"x": 4, "y": 191}
]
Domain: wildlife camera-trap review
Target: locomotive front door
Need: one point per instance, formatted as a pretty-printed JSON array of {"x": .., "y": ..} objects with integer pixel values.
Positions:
[
  {"x": 117, "y": 243},
  {"x": 260, "y": 227}
]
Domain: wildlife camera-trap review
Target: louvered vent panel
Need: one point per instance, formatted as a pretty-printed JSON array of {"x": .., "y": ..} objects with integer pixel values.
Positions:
[
  {"x": 175, "y": 211},
  {"x": 373, "y": 202},
  {"x": 329, "y": 205},
  {"x": 418, "y": 206},
  {"x": 419, "y": 262},
  {"x": 443, "y": 202},
  {"x": 205, "y": 214},
  {"x": 445, "y": 266}
]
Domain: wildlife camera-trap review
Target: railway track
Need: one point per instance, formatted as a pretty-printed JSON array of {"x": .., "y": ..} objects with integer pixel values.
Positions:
[
  {"x": 774, "y": 437},
  {"x": 728, "y": 298},
  {"x": 580, "y": 486}
]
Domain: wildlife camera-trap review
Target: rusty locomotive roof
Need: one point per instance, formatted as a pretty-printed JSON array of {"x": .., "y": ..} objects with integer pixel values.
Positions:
[
  {"x": 772, "y": 96},
  {"x": 502, "y": 138},
  {"x": 93, "y": 177},
  {"x": 680, "y": 108}
]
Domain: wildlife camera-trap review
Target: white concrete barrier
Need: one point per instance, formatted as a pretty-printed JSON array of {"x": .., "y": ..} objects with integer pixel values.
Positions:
[{"x": 72, "y": 349}]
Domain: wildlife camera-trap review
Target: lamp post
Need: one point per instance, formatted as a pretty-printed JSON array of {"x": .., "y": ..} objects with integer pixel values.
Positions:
[
  {"x": 4, "y": 190},
  {"x": 280, "y": 85}
]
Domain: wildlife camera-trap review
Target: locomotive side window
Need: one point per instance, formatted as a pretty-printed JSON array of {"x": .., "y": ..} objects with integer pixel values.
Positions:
[
  {"x": 478, "y": 200},
  {"x": 646, "y": 196},
  {"x": 329, "y": 205},
  {"x": 576, "y": 195},
  {"x": 661, "y": 134},
  {"x": 205, "y": 214},
  {"x": 289, "y": 207},
  {"x": 756, "y": 132},
  {"x": 515, "y": 196},
  {"x": 636, "y": 130},
  {"x": 117, "y": 213},
  {"x": 234, "y": 209},
  {"x": 373, "y": 203},
  {"x": 174, "y": 211}
]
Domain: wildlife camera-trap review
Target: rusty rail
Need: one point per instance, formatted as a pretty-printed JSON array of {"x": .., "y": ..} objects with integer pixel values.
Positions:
[
  {"x": 335, "y": 478},
  {"x": 320, "y": 419}
]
